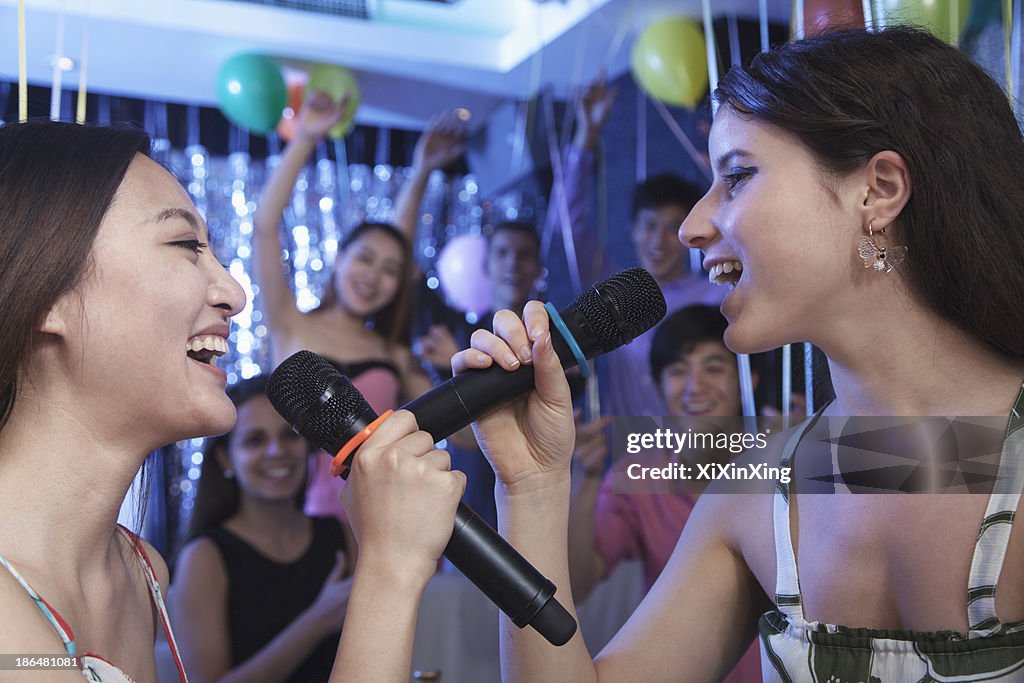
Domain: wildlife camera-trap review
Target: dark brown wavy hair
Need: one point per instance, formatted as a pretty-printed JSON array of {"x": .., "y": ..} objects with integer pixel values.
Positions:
[{"x": 850, "y": 94}]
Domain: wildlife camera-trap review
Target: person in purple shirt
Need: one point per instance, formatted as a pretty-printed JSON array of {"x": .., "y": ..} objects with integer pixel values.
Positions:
[{"x": 660, "y": 204}]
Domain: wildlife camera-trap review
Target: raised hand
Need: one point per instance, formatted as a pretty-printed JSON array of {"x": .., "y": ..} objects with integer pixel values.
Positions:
[
  {"x": 438, "y": 346},
  {"x": 592, "y": 111},
  {"x": 442, "y": 142},
  {"x": 320, "y": 113}
]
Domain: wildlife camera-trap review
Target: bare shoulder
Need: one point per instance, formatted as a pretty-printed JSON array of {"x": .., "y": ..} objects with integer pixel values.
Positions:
[
  {"x": 157, "y": 562},
  {"x": 25, "y": 629},
  {"x": 741, "y": 506}
]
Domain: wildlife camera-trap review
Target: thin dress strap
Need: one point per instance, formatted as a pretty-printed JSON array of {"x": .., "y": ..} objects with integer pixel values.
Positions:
[
  {"x": 787, "y": 581},
  {"x": 158, "y": 600},
  {"x": 990, "y": 549},
  {"x": 56, "y": 621}
]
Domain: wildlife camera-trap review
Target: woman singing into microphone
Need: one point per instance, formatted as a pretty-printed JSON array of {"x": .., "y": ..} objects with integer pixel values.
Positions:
[{"x": 868, "y": 186}]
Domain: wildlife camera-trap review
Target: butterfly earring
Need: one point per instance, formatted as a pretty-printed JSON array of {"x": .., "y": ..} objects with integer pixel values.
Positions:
[{"x": 878, "y": 257}]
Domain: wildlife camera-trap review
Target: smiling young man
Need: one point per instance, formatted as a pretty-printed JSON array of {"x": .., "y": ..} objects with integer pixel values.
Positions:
[{"x": 660, "y": 205}]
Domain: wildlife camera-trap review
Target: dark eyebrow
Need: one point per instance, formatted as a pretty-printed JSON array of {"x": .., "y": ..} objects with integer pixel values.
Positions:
[
  {"x": 729, "y": 156},
  {"x": 184, "y": 214}
]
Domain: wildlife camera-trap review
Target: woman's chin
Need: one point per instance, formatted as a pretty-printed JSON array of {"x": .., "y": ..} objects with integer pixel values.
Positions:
[
  {"x": 740, "y": 339},
  {"x": 214, "y": 420}
]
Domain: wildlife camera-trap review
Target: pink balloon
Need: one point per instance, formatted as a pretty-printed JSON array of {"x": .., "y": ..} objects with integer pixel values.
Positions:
[{"x": 460, "y": 268}]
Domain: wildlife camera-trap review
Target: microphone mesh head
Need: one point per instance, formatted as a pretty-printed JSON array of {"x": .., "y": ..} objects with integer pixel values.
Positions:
[
  {"x": 638, "y": 306},
  {"x": 296, "y": 389}
]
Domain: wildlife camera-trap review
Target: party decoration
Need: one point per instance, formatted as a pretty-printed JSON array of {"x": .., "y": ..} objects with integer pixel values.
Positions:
[
  {"x": 822, "y": 15},
  {"x": 944, "y": 18},
  {"x": 251, "y": 92},
  {"x": 337, "y": 81},
  {"x": 669, "y": 62},
  {"x": 287, "y": 127},
  {"x": 460, "y": 268}
]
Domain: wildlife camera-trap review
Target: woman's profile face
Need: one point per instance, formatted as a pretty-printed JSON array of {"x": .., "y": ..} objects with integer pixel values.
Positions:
[
  {"x": 266, "y": 455},
  {"x": 795, "y": 241},
  {"x": 142, "y": 328},
  {"x": 368, "y": 273}
]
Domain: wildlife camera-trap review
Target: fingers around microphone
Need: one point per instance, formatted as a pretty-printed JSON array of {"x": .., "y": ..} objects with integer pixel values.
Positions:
[
  {"x": 437, "y": 459},
  {"x": 535, "y": 318},
  {"x": 398, "y": 424},
  {"x": 495, "y": 347},
  {"x": 510, "y": 328}
]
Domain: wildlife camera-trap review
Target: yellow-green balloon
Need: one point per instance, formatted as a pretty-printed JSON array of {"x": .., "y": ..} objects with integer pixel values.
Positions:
[
  {"x": 944, "y": 18},
  {"x": 336, "y": 81},
  {"x": 670, "y": 61}
]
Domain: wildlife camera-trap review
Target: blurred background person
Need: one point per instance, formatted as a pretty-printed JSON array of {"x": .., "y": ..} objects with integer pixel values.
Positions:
[
  {"x": 362, "y": 322},
  {"x": 260, "y": 589}
]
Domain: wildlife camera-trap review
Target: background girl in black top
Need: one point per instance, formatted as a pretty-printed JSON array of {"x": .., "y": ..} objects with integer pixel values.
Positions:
[{"x": 260, "y": 592}]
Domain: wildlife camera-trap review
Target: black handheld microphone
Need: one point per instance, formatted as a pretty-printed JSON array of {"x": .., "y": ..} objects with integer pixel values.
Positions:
[{"x": 322, "y": 405}]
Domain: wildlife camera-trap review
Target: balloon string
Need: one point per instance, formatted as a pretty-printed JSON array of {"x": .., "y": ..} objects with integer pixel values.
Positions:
[
  {"x": 712, "y": 56},
  {"x": 1015, "y": 49},
  {"x": 83, "y": 71},
  {"x": 1007, "y": 32},
  {"x": 58, "y": 72},
  {"x": 22, "y": 65},
  {"x": 762, "y": 16},
  {"x": 701, "y": 163},
  {"x": 787, "y": 379},
  {"x": 620, "y": 34},
  {"x": 809, "y": 376},
  {"x": 563, "y": 201},
  {"x": 641, "y": 136},
  {"x": 746, "y": 385}
]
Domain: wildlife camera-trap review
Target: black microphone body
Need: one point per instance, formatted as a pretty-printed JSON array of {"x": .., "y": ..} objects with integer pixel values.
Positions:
[
  {"x": 467, "y": 397},
  {"x": 324, "y": 406}
]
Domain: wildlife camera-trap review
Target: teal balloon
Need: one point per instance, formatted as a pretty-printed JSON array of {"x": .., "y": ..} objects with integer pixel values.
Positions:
[{"x": 251, "y": 92}]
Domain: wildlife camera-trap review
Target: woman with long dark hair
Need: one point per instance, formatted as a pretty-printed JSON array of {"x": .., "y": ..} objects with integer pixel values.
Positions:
[
  {"x": 866, "y": 199},
  {"x": 114, "y": 310}
]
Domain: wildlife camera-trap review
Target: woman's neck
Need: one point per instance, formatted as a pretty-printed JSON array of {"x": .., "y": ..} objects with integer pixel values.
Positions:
[
  {"x": 911, "y": 362},
  {"x": 61, "y": 490},
  {"x": 345, "y": 320}
]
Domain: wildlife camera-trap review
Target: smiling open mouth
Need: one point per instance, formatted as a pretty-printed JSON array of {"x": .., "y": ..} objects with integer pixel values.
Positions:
[
  {"x": 727, "y": 273},
  {"x": 206, "y": 349}
]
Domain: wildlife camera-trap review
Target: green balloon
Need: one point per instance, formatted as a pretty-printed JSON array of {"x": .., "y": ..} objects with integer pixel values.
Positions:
[
  {"x": 670, "y": 62},
  {"x": 251, "y": 92},
  {"x": 946, "y": 19},
  {"x": 337, "y": 81}
]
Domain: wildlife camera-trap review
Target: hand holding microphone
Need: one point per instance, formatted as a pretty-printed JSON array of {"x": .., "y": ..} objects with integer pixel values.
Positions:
[
  {"x": 534, "y": 434},
  {"x": 401, "y": 499}
]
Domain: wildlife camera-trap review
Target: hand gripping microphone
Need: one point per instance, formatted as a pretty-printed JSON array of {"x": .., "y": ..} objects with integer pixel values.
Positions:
[{"x": 322, "y": 405}]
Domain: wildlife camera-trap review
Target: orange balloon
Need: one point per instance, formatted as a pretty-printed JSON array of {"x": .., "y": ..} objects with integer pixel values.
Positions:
[
  {"x": 822, "y": 15},
  {"x": 287, "y": 127}
]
